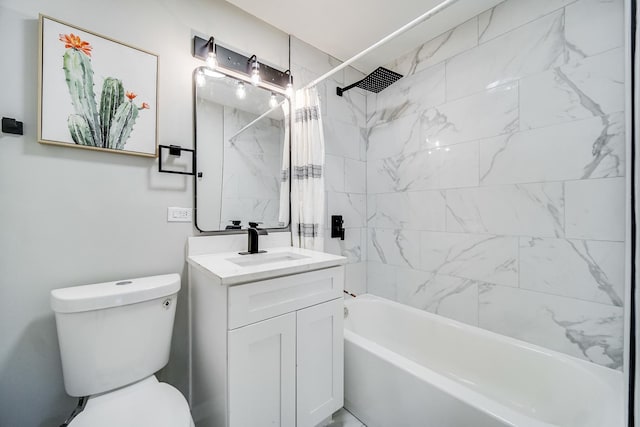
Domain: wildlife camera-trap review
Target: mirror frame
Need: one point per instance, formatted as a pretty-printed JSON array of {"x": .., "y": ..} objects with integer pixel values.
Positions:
[{"x": 243, "y": 78}]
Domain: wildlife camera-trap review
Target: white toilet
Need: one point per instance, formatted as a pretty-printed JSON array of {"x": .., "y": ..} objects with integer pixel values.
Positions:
[{"x": 113, "y": 337}]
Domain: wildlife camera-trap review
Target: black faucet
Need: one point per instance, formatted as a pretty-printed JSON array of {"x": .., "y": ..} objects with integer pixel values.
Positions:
[{"x": 252, "y": 242}]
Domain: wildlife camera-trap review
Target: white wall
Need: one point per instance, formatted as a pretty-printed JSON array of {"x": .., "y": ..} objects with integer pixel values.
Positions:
[{"x": 71, "y": 216}]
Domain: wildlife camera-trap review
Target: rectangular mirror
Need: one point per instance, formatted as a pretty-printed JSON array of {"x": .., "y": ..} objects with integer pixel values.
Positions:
[{"x": 240, "y": 132}]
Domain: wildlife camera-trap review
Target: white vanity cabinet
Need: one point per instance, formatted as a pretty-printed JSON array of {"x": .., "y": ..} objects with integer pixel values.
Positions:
[
  {"x": 267, "y": 352},
  {"x": 262, "y": 373}
]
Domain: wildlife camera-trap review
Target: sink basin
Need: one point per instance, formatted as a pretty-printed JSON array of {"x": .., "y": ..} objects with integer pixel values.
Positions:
[
  {"x": 260, "y": 259},
  {"x": 231, "y": 268}
]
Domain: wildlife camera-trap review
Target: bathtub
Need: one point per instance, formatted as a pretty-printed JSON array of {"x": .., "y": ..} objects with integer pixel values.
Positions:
[{"x": 407, "y": 367}]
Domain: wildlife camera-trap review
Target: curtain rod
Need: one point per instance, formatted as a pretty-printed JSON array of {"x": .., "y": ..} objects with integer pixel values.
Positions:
[
  {"x": 428, "y": 14},
  {"x": 257, "y": 119},
  {"x": 420, "y": 19}
]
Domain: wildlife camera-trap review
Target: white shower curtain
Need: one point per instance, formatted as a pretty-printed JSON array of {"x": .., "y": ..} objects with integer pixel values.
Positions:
[{"x": 307, "y": 172}]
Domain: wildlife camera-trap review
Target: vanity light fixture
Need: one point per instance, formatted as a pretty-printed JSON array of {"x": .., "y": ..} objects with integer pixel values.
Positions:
[
  {"x": 206, "y": 50},
  {"x": 255, "y": 70},
  {"x": 212, "y": 61},
  {"x": 241, "y": 91},
  {"x": 273, "y": 101},
  {"x": 289, "y": 89}
]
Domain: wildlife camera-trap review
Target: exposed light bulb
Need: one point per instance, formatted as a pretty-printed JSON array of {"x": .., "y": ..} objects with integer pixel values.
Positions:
[
  {"x": 255, "y": 76},
  {"x": 200, "y": 80},
  {"x": 289, "y": 89},
  {"x": 273, "y": 101},
  {"x": 212, "y": 61},
  {"x": 255, "y": 71},
  {"x": 241, "y": 92}
]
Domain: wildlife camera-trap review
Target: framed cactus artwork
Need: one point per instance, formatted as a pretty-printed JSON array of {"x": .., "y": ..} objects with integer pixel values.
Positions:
[{"x": 95, "y": 92}]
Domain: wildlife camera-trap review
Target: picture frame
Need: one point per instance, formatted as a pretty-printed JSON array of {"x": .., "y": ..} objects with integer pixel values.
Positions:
[{"x": 95, "y": 92}]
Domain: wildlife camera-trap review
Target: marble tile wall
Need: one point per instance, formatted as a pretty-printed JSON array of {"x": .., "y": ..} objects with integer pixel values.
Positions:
[
  {"x": 344, "y": 121},
  {"x": 495, "y": 171},
  {"x": 252, "y": 167}
]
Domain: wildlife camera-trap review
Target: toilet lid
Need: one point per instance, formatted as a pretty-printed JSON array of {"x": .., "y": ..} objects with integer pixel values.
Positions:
[{"x": 147, "y": 403}]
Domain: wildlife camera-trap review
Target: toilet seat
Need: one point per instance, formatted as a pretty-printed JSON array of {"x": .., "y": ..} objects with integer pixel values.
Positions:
[{"x": 147, "y": 403}]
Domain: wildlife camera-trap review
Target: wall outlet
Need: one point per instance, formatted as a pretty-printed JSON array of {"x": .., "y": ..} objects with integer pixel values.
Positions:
[{"x": 175, "y": 214}]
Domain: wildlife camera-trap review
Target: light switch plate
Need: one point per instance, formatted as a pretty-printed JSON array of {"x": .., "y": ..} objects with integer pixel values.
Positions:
[{"x": 175, "y": 214}]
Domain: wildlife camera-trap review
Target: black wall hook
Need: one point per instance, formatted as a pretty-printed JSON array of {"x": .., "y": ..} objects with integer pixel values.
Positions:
[{"x": 11, "y": 126}]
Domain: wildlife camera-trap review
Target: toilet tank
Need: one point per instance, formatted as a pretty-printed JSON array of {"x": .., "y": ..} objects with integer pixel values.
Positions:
[{"x": 115, "y": 333}]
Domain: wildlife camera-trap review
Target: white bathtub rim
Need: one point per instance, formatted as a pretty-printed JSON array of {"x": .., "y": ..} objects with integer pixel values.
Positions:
[
  {"x": 609, "y": 378},
  {"x": 451, "y": 387}
]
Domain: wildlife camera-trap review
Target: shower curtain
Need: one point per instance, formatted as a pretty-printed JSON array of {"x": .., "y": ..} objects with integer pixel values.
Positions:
[{"x": 307, "y": 172}]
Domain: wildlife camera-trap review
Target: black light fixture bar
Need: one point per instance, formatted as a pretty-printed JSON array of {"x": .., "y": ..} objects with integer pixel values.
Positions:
[{"x": 235, "y": 61}]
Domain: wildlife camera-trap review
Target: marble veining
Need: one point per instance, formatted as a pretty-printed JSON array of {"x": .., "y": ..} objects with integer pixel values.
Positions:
[
  {"x": 583, "y": 329},
  {"x": 582, "y": 149},
  {"x": 594, "y": 87},
  {"x": 527, "y": 209},
  {"x": 351, "y": 206},
  {"x": 350, "y": 247},
  {"x": 442, "y": 167},
  {"x": 489, "y": 113},
  {"x": 394, "y": 137},
  {"x": 532, "y": 48},
  {"x": 453, "y": 297},
  {"x": 412, "y": 94},
  {"x": 584, "y": 269},
  {"x": 446, "y": 45},
  {"x": 594, "y": 26},
  {"x": 511, "y": 14},
  {"x": 248, "y": 209},
  {"x": 395, "y": 247},
  {"x": 485, "y": 257}
]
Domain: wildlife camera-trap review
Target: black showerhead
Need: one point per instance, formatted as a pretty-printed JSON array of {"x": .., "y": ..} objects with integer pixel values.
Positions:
[{"x": 377, "y": 81}]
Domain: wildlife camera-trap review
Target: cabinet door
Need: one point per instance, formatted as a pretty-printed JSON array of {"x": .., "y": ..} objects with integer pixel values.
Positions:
[
  {"x": 320, "y": 362},
  {"x": 262, "y": 373}
]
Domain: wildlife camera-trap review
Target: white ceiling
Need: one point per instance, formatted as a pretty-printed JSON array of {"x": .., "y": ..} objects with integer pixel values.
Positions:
[{"x": 344, "y": 28}]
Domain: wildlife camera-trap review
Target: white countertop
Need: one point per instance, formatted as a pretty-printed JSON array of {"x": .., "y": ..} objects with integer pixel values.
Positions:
[{"x": 220, "y": 266}]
